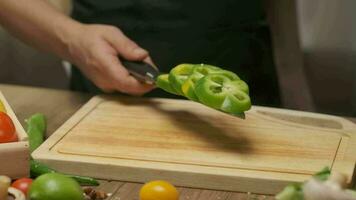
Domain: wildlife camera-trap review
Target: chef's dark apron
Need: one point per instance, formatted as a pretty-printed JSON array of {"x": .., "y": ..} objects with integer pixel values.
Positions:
[{"x": 228, "y": 33}]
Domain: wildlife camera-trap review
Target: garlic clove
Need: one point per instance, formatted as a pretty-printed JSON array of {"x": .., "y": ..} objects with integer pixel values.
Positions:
[
  {"x": 18, "y": 194},
  {"x": 4, "y": 185}
]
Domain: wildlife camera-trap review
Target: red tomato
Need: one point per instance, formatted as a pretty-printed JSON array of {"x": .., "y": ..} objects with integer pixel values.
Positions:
[
  {"x": 7, "y": 129},
  {"x": 22, "y": 184}
]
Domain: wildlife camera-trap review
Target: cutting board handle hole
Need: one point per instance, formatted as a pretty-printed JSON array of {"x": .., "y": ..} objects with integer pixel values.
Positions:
[{"x": 310, "y": 121}]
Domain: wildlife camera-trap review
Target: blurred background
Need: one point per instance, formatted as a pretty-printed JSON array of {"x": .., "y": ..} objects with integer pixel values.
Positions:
[{"x": 327, "y": 34}]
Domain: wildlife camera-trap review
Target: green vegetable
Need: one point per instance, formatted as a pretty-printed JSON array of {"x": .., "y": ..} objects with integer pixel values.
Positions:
[
  {"x": 163, "y": 83},
  {"x": 295, "y": 191},
  {"x": 291, "y": 192},
  {"x": 178, "y": 75},
  {"x": 36, "y": 128},
  {"x": 219, "y": 92},
  {"x": 55, "y": 186},
  {"x": 198, "y": 72},
  {"x": 209, "y": 85},
  {"x": 188, "y": 87},
  {"x": 38, "y": 169},
  {"x": 323, "y": 175}
]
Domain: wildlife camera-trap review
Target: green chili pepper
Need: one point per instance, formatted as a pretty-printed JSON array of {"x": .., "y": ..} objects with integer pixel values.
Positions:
[
  {"x": 37, "y": 169},
  {"x": 220, "y": 92},
  {"x": 36, "y": 128},
  {"x": 163, "y": 83}
]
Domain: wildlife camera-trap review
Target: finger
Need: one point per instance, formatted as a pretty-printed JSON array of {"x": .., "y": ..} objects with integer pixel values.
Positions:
[
  {"x": 124, "y": 46},
  {"x": 121, "y": 79},
  {"x": 149, "y": 61},
  {"x": 137, "y": 88}
]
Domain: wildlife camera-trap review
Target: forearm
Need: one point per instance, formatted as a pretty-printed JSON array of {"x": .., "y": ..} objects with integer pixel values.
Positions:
[{"x": 39, "y": 24}]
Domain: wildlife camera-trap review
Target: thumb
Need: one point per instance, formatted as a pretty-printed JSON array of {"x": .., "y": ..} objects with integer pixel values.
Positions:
[{"x": 124, "y": 46}]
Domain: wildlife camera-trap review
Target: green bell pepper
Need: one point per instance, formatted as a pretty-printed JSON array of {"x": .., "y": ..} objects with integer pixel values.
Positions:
[
  {"x": 178, "y": 75},
  {"x": 163, "y": 83},
  {"x": 220, "y": 92},
  {"x": 198, "y": 72},
  {"x": 36, "y": 129},
  {"x": 209, "y": 85}
]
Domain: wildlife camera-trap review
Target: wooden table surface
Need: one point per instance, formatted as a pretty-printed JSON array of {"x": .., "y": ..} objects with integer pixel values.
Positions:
[{"x": 60, "y": 105}]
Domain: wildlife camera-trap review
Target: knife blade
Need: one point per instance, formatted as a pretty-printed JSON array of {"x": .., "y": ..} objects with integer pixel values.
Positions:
[{"x": 142, "y": 71}]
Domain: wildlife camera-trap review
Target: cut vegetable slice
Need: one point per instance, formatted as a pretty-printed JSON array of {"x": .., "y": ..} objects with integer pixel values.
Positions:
[
  {"x": 163, "y": 83},
  {"x": 219, "y": 92},
  {"x": 178, "y": 75},
  {"x": 210, "y": 91},
  {"x": 236, "y": 103},
  {"x": 242, "y": 85},
  {"x": 231, "y": 75},
  {"x": 198, "y": 72}
]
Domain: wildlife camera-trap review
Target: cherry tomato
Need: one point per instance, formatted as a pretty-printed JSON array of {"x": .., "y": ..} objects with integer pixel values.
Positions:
[
  {"x": 7, "y": 129},
  {"x": 161, "y": 190},
  {"x": 22, "y": 184}
]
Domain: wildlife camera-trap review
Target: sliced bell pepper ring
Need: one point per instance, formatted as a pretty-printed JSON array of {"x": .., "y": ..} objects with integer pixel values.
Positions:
[
  {"x": 188, "y": 87},
  {"x": 178, "y": 75},
  {"x": 236, "y": 103},
  {"x": 163, "y": 83},
  {"x": 231, "y": 75},
  {"x": 205, "y": 69},
  {"x": 219, "y": 92},
  {"x": 242, "y": 85},
  {"x": 198, "y": 72}
]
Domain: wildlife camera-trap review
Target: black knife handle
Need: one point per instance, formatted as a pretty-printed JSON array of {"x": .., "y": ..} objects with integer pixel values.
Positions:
[{"x": 142, "y": 71}]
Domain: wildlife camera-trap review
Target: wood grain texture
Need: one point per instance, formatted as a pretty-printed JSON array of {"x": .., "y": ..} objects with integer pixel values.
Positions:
[
  {"x": 192, "y": 145},
  {"x": 25, "y": 103}
]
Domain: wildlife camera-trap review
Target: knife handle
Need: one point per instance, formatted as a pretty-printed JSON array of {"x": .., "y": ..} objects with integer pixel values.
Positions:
[{"x": 142, "y": 71}]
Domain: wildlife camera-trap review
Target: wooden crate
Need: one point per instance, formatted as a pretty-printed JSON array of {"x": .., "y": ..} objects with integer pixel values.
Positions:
[{"x": 15, "y": 156}]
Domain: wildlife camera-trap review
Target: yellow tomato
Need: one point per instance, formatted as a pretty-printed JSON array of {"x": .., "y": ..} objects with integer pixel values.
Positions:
[
  {"x": 158, "y": 190},
  {"x": 2, "y": 107}
]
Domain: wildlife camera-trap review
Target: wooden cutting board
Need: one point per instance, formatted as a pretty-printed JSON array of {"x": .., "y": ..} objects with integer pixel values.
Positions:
[{"x": 137, "y": 139}]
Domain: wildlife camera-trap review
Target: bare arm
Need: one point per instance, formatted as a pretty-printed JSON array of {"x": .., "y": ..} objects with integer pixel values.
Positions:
[{"x": 93, "y": 48}]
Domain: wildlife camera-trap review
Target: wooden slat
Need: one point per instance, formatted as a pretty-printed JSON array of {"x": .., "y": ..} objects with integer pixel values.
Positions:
[
  {"x": 189, "y": 193},
  {"x": 213, "y": 195},
  {"x": 128, "y": 191}
]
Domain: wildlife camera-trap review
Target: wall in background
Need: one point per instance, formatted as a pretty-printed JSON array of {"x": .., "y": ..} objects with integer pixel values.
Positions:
[
  {"x": 328, "y": 38},
  {"x": 21, "y": 64}
]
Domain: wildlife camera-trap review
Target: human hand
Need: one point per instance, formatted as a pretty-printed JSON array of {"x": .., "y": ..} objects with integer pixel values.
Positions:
[{"x": 95, "y": 50}]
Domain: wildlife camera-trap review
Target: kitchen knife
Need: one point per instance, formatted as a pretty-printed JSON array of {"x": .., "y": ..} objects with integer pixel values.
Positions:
[
  {"x": 147, "y": 73},
  {"x": 142, "y": 71}
]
